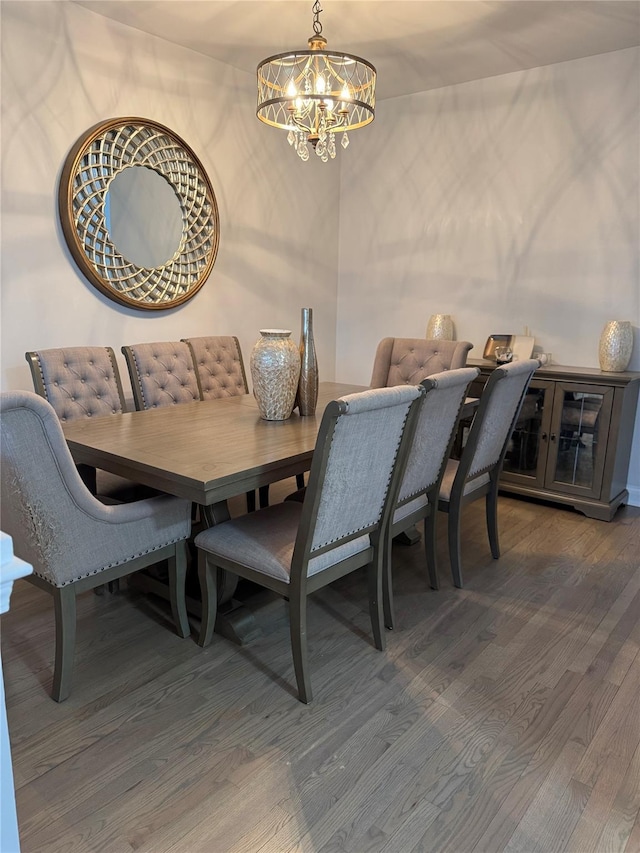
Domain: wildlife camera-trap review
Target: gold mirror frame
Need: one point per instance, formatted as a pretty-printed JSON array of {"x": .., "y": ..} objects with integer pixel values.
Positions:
[{"x": 100, "y": 154}]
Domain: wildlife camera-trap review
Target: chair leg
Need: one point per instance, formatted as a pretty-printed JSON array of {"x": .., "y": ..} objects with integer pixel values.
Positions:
[
  {"x": 454, "y": 543},
  {"x": 263, "y": 493},
  {"x": 177, "y": 589},
  {"x": 251, "y": 501},
  {"x": 430, "y": 547},
  {"x": 208, "y": 576},
  {"x": 298, "y": 630},
  {"x": 492, "y": 520},
  {"x": 64, "y": 600},
  {"x": 376, "y": 603},
  {"x": 387, "y": 586},
  {"x": 300, "y": 481}
]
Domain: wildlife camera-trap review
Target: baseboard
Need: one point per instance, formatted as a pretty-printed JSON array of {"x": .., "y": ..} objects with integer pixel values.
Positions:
[{"x": 634, "y": 495}]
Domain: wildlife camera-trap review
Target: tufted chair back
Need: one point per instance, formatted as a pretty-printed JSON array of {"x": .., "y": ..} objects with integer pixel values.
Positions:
[
  {"x": 162, "y": 374},
  {"x": 79, "y": 382},
  {"x": 219, "y": 366},
  {"x": 407, "y": 361}
]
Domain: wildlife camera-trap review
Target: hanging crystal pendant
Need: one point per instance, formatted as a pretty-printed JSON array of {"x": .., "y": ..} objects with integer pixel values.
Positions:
[
  {"x": 331, "y": 147},
  {"x": 303, "y": 148},
  {"x": 291, "y": 136},
  {"x": 345, "y": 140},
  {"x": 322, "y": 130}
]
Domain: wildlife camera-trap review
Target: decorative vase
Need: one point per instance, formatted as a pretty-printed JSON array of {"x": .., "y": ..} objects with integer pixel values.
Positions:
[
  {"x": 440, "y": 326},
  {"x": 616, "y": 344},
  {"x": 308, "y": 385},
  {"x": 275, "y": 370}
]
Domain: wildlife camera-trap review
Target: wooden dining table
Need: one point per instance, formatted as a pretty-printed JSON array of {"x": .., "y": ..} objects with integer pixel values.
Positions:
[{"x": 206, "y": 451}]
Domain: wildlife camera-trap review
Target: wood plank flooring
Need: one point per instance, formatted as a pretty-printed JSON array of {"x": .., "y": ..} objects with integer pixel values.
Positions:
[{"x": 501, "y": 717}]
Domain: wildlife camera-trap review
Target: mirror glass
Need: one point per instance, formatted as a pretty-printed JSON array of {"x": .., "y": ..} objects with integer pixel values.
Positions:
[{"x": 143, "y": 216}]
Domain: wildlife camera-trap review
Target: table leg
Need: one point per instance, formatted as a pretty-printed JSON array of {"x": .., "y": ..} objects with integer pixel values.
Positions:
[{"x": 407, "y": 537}]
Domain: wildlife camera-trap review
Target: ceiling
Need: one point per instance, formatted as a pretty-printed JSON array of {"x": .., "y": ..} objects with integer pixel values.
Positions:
[{"x": 415, "y": 44}]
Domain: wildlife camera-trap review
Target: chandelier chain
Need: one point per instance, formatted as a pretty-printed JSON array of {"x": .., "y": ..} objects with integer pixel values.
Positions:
[{"x": 317, "y": 26}]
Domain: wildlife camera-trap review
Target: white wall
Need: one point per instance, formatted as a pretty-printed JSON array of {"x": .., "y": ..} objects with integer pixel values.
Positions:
[
  {"x": 63, "y": 70},
  {"x": 506, "y": 202}
]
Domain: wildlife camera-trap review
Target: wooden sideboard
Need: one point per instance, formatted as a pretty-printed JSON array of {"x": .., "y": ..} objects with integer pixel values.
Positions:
[{"x": 572, "y": 441}]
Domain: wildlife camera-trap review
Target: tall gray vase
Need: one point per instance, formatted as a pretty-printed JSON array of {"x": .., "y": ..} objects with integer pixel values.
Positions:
[{"x": 308, "y": 384}]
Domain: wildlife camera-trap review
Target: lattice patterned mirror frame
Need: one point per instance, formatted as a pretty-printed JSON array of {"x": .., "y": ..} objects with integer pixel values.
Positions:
[{"x": 100, "y": 154}]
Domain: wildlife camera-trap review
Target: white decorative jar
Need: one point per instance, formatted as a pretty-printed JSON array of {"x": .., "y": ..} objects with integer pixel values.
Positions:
[
  {"x": 440, "y": 327},
  {"x": 275, "y": 370},
  {"x": 616, "y": 345}
]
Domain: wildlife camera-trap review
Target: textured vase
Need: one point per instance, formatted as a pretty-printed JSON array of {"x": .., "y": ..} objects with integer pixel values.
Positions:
[
  {"x": 275, "y": 370},
  {"x": 616, "y": 344},
  {"x": 440, "y": 326},
  {"x": 308, "y": 385}
]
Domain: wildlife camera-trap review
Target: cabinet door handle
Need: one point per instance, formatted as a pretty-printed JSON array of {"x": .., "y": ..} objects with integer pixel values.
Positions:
[
  {"x": 544, "y": 436},
  {"x": 553, "y": 436}
]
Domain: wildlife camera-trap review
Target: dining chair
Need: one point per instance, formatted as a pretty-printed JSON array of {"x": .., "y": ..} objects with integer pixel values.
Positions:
[
  {"x": 433, "y": 438},
  {"x": 73, "y": 541},
  {"x": 407, "y": 361},
  {"x": 295, "y": 548},
  {"x": 219, "y": 366},
  {"x": 84, "y": 382},
  {"x": 162, "y": 374},
  {"x": 477, "y": 472}
]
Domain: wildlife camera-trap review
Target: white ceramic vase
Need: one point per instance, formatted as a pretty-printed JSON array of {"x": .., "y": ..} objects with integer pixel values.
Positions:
[
  {"x": 616, "y": 345},
  {"x": 275, "y": 370},
  {"x": 440, "y": 327}
]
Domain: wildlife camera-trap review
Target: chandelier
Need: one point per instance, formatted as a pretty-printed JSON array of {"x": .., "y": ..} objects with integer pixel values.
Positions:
[{"x": 315, "y": 94}]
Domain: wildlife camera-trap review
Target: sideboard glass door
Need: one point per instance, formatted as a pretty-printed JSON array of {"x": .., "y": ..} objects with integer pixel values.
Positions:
[
  {"x": 578, "y": 438},
  {"x": 526, "y": 457}
]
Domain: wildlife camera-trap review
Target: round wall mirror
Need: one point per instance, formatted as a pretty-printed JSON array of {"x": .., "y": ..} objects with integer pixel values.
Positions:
[{"x": 138, "y": 213}]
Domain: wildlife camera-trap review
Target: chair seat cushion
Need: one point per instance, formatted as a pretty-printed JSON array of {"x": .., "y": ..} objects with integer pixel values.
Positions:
[
  {"x": 449, "y": 476},
  {"x": 264, "y": 541},
  {"x": 409, "y": 508}
]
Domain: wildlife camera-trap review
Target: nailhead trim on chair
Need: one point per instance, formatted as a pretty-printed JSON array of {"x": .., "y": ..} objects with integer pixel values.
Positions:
[{"x": 109, "y": 565}]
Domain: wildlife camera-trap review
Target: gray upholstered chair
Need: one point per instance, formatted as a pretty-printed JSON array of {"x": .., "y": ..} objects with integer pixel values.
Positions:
[
  {"x": 219, "y": 366},
  {"x": 407, "y": 361},
  {"x": 84, "y": 382},
  {"x": 162, "y": 374},
  {"x": 296, "y": 548},
  {"x": 73, "y": 541},
  {"x": 477, "y": 472},
  {"x": 432, "y": 441}
]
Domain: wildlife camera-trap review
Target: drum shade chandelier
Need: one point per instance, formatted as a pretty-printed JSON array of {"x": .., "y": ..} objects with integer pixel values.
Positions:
[{"x": 315, "y": 94}]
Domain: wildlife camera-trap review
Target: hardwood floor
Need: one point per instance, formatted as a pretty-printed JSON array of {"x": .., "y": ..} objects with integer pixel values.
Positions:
[{"x": 502, "y": 717}]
